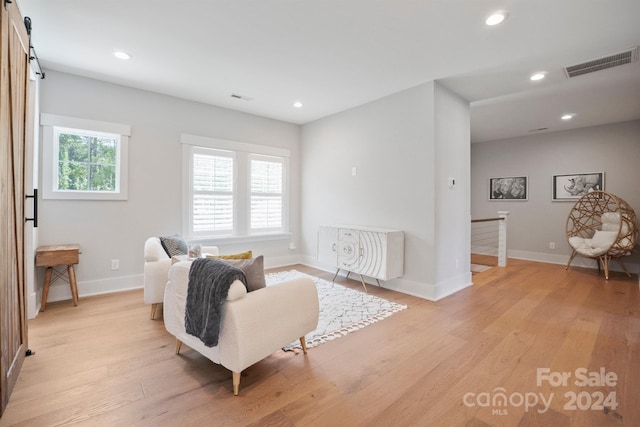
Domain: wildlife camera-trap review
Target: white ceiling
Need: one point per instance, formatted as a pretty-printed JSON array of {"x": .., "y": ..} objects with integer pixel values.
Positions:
[{"x": 336, "y": 54}]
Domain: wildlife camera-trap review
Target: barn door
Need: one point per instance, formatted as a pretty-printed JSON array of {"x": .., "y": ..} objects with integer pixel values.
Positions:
[{"x": 14, "y": 60}]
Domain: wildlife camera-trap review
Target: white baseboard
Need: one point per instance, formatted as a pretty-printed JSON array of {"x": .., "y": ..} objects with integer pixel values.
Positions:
[
  {"x": 60, "y": 291},
  {"x": 563, "y": 259},
  {"x": 431, "y": 292},
  {"x": 33, "y": 307},
  {"x": 281, "y": 261},
  {"x": 452, "y": 285}
]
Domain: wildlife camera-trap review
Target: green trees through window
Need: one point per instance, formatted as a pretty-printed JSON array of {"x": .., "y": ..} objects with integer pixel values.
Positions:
[{"x": 87, "y": 161}]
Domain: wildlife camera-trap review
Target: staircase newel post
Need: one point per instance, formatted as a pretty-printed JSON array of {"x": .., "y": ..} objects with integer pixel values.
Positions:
[{"x": 502, "y": 238}]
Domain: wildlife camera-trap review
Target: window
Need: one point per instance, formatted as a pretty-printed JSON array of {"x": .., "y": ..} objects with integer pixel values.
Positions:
[
  {"x": 212, "y": 187},
  {"x": 267, "y": 181},
  {"x": 233, "y": 189},
  {"x": 84, "y": 159}
]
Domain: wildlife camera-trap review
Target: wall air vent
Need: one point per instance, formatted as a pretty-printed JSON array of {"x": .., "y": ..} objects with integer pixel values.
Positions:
[{"x": 622, "y": 58}]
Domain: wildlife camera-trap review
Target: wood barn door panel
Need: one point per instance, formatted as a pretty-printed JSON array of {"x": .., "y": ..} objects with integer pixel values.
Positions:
[{"x": 14, "y": 59}]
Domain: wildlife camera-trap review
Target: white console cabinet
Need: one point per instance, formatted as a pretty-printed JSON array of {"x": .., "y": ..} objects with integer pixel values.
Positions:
[{"x": 373, "y": 252}]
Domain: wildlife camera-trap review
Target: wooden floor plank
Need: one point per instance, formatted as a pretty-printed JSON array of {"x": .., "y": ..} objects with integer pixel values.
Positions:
[{"x": 105, "y": 363}]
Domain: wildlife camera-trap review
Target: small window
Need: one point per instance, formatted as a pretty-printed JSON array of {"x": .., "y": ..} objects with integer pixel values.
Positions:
[{"x": 84, "y": 159}]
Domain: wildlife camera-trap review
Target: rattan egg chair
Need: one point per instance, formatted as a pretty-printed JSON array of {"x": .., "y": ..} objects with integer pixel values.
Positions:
[{"x": 602, "y": 226}]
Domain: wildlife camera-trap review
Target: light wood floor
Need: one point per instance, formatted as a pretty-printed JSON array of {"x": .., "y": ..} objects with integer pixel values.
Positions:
[{"x": 105, "y": 363}]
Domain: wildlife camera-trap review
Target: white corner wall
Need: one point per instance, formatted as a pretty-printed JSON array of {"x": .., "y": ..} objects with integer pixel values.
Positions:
[
  {"x": 613, "y": 148},
  {"x": 453, "y": 204},
  {"x": 109, "y": 230},
  {"x": 394, "y": 144}
]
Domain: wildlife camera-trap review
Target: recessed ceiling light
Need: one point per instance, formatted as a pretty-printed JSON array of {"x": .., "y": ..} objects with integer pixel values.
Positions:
[
  {"x": 496, "y": 17},
  {"x": 567, "y": 116},
  {"x": 121, "y": 54},
  {"x": 538, "y": 76},
  {"x": 297, "y": 104}
]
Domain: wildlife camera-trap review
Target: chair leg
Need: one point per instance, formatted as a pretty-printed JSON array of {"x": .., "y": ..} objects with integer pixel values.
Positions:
[
  {"x": 303, "y": 343},
  {"x": 178, "y": 345},
  {"x": 236, "y": 382},
  {"x": 153, "y": 310},
  {"x": 619, "y": 261},
  {"x": 605, "y": 261},
  {"x": 573, "y": 255}
]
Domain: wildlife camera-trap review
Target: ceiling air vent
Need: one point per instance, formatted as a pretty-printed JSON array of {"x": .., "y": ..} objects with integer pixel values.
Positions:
[
  {"x": 242, "y": 97},
  {"x": 622, "y": 58}
]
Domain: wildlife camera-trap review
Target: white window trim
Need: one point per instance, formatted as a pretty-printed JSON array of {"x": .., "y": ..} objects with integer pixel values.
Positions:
[
  {"x": 49, "y": 160},
  {"x": 241, "y": 232}
]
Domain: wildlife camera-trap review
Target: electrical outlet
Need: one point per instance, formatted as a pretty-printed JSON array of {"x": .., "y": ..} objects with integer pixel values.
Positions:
[
  {"x": 115, "y": 264},
  {"x": 552, "y": 245}
]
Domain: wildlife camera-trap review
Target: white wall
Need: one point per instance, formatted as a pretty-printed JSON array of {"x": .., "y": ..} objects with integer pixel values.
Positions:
[
  {"x": 453, "y": 205},
  {"x": 614, "y": 149},
  {"x": 404, "y": 146},
  {"x": 108, "y": 230},
  {"x": 394, "y": 145}
]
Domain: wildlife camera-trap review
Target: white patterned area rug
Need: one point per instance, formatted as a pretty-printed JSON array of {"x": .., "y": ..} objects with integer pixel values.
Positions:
[{"x": 342, "y": 310}]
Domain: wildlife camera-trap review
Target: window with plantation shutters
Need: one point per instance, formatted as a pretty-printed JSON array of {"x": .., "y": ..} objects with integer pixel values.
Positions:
[
  {"x": 234, "y": 191},
  {"x": 212, "y": 174},
  {"x": 267, "y": 184}
]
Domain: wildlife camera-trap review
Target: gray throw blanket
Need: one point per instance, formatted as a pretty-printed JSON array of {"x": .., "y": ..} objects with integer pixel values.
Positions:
[{"x": 209, "y": 283}]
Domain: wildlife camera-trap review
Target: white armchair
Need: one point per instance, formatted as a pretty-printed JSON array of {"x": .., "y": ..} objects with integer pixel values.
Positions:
[
  {"x": 156, "y": 267},
  {"x": 255, "y": 324}
]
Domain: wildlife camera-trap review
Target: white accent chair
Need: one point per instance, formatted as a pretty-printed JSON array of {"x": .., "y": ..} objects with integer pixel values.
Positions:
[
  {"x": 255, "y": 324},
  {"x": 156, "y": 267}
]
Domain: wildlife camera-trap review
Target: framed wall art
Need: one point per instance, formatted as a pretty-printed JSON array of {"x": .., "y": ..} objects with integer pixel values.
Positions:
[
  {"x": 575, "y": 185},
  {"x": 508, "y": 188}
]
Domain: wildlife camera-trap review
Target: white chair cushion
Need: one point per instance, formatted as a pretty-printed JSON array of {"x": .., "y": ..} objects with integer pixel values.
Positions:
[
  {"x": 596, "y": 246},
  {"x": 603, "y": 239},
  {"x": 611, "y": 222},
  {"x": 610, "y": 218}
]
